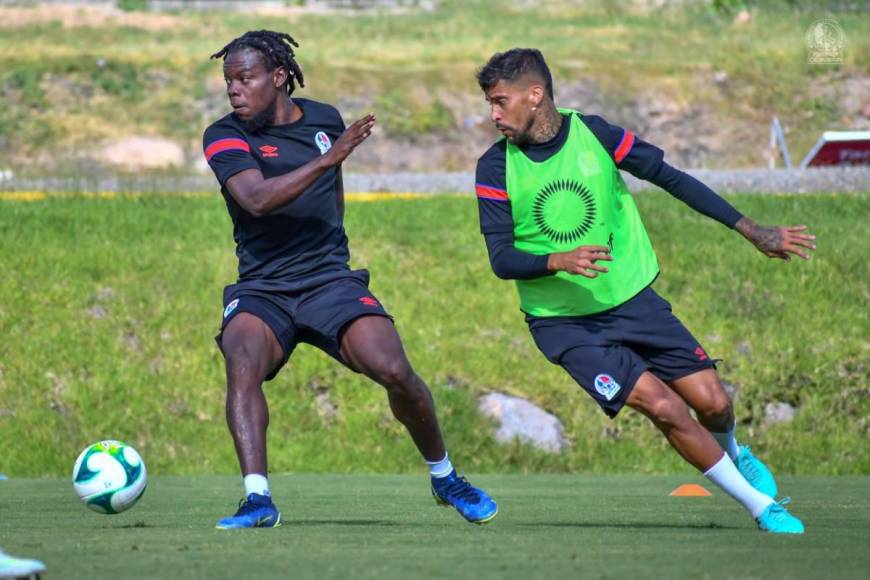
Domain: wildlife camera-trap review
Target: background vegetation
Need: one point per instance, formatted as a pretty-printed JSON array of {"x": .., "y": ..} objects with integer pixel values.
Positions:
[
  {"x": 69, "y": 86},
  {"x": 109, "y": 307}
]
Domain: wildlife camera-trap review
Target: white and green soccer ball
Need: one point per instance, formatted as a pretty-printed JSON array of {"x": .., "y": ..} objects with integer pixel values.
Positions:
[{"x": 109, "y": 477}]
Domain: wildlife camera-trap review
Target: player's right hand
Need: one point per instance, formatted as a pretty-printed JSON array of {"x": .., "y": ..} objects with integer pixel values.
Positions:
[
  {"x": 359, "y": 131},
  {"x": 580, "y": 261}
]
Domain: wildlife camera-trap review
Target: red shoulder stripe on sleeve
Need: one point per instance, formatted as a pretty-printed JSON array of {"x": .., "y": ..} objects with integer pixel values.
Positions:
[
  {"x": 489, "y": 192},
  {"x": 624, "y": 146},
  {"x": 226, "y": 145}
]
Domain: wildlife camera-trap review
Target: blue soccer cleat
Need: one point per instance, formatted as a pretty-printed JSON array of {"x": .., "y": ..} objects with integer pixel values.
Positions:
[
  {"x": 255, "y": 511},
  {"x": 11, "y": 567},
  {"x": 472, "y": 503},
  {"x": 755, "y": 472},
  {"x": 776, "y": 519}
]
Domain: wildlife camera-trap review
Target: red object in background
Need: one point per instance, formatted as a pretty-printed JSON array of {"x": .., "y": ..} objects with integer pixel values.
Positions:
[{"x": 839, "y": 148}]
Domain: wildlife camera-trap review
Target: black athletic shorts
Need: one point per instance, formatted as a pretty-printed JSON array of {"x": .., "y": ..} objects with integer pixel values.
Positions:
[
  {"x": 317, "y": 315},
  {"x": 607, "y": 352}
]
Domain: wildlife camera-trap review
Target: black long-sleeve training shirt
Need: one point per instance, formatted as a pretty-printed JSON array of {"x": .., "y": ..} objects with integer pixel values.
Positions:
[{"x": 641, "y": 159}]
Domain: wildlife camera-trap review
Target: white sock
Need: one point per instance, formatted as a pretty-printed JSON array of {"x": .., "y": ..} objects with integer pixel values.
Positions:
[
  {"x": 725, "y": 475},
  {"x": 256, "y": 483},
  {"x": 727, "y": 442},
  {"x": 441, "y": 468}
]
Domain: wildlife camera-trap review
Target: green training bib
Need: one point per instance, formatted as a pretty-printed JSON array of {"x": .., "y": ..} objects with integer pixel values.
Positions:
[{"x": 577, "y": 198}]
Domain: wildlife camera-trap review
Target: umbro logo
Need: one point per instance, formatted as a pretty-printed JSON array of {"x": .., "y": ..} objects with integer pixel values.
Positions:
[
  {"x": 269, "y": 150},
  {"x": 369, "y": 301}
]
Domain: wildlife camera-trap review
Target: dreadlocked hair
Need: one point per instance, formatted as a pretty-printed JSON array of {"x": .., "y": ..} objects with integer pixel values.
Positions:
[{"x": 277, "y": 50}]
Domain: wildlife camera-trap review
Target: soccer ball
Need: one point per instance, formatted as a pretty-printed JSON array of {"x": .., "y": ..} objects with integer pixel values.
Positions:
[{"x": 109, "y": 477}]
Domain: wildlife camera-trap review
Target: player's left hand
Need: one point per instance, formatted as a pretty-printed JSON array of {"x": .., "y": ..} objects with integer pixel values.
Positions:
[{"x": 778, "y": 241}]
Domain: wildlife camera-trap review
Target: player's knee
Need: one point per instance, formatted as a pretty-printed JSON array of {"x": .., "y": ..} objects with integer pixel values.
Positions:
[
  {"x": 398, "y": 377},
  {"x": 668, "y": 412},
  {"x": 243, "y": 362},
  {"x": 716, "y": 407}
]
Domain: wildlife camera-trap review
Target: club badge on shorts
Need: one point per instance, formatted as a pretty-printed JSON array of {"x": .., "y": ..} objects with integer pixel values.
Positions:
[
  {"x": 606, "y": 386},
  {"x": 323, "y": 142},
  {"x": 230, "y": 307}
]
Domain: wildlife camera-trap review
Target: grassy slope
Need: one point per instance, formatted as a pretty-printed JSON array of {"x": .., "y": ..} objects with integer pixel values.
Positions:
[
  {"x": 68, "y": 88},
  {"x": 109, "y": 308},
  {"x": 387, "y": 527}
]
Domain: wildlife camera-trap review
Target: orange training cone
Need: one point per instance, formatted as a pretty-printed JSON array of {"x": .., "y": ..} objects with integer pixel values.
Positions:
[{"x": 690, "y": 490}]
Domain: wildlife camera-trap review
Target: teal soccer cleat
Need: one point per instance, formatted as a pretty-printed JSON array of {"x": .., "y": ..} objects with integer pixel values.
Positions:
[
  {"x": 755, "y": 472},
  {"x": 776, "y": 519},
  {"x": 472, "y": 503},
  {"x": 255, "y": 511}
]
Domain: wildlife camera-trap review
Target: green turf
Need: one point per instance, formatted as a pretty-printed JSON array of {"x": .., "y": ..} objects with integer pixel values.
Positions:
[
  {"x": 109, "y": 308},
  {"x": 388, "y": 527}
]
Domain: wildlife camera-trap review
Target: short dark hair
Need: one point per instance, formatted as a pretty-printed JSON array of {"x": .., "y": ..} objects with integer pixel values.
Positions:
[
  {"x": 511, "y": 65},
  {"x": 276, "y": 48}
]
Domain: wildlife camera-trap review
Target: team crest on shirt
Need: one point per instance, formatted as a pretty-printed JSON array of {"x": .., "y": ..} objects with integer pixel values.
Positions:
[
  {"x": 588, "y": 163},
  {"x": 323, "y": 142},
  {"x": 606, "y": 386},
  {"x": 230, "y": 307}
]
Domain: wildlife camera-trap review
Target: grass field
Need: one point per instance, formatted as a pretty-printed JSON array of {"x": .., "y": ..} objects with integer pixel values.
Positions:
[
  {"x": 388, "y": 527},
  {"x": 109, "y": 307}
]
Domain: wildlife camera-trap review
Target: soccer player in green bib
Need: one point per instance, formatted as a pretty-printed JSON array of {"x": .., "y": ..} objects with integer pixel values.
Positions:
[{"x": 558, "y": 218}]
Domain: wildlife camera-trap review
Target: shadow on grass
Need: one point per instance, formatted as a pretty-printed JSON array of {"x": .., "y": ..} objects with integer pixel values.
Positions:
[
  {"x": 368, "y": 523},
  {"x": 137, "y": 524},
  {"x": 710, "y": 526}
]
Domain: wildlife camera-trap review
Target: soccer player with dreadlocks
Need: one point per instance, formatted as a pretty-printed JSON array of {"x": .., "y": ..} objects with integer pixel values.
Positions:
[
  {"x": 278, "y": 161},
  {"x": 558, "y": 218}
]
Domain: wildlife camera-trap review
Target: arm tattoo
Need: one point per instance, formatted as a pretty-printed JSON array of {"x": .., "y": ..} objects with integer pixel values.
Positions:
[{"x": 765, "y": 239}]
